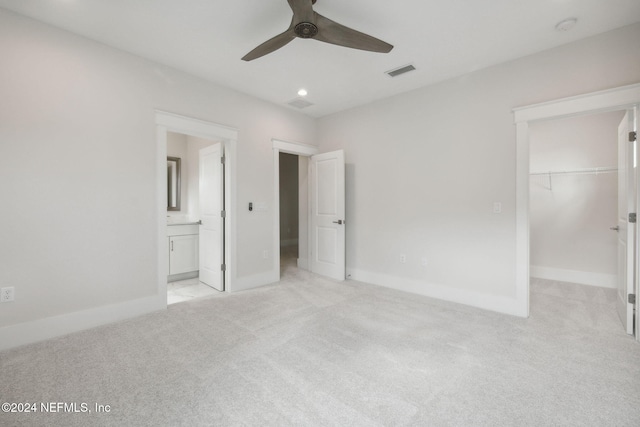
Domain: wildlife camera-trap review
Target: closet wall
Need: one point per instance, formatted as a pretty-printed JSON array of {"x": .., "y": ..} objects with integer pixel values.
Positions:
[
  {"x": 289, "y": 200},
  {"x": 573, "y": 206}
]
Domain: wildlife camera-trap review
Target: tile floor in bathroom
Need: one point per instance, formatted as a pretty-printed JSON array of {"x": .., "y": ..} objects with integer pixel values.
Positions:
[{"x": 184, "y": 290}]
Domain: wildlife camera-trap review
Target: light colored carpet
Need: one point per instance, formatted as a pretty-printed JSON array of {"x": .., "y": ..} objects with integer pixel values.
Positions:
[{"x": 312, "y": 352}]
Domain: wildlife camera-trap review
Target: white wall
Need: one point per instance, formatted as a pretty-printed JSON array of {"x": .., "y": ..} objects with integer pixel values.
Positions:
[
  {"x": 570, "y": 215},
  {"x": 424, "y": 169},
  {"x": 78, "y": 160}
]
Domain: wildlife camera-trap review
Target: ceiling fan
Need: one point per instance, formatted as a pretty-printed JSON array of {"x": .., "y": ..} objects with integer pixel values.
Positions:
[{"x": 308, "y": 24}]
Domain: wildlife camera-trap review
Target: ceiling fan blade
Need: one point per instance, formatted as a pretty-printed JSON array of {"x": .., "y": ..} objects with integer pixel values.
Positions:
[
  {"x": 302, "y": 10},
  {"x": 334, "y": 33},
  {"x": 270, "y": 45}
]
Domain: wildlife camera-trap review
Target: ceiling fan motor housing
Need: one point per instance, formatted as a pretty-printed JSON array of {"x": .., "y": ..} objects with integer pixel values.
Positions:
[{"x": 306, "y": 30}]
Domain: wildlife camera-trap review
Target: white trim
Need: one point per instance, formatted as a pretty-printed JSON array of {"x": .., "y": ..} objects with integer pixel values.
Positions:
[
  {"x": 195, "y": 127},
  {"x": 574, "y": 276},
  {"x": 55, "y": 326},
  {"x": 608, "y": 100},
  {"x": 596, "y": 102},
  {"x": 297, "y": 149},
  {"x": 499, "y": 304},
  {"x": 162, "y": 242},
  {"x": 170, "y": 122},
  {"x": 522, "y": 218}
]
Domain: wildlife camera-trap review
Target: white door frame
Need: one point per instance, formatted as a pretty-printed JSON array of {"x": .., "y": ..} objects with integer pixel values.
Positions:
[
  {"x": 297, "y": 149},
  {"x": 620, "y": 98},
  {"x": 169, "y": 122}
]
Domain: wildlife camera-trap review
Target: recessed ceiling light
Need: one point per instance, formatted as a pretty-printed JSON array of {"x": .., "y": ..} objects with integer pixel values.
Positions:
[
  {"x": 302, "y": 92},
  {"x": 566, "y": 25}
]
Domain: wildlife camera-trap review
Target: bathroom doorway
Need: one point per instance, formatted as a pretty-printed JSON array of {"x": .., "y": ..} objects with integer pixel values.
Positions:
[
  {"x": 182, "y": 229},
  {"x": 195, "y": 238}
]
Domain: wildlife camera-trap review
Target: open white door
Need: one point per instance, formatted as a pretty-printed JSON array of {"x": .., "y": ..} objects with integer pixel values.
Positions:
[
  {"x": 211, "y": 217},
  {"x": 328, "y": 214},
  {"x": 626, "y": 229}
]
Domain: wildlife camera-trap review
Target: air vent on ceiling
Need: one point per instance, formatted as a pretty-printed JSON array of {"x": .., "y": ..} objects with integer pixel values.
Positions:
[
  {"x": 401, "y": 70},
  {"x": 300, "y": 103}
]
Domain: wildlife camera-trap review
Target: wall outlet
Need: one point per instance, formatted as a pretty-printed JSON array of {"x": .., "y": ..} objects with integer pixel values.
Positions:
[
  {"x": 424, "y": 262},
  {"x": 7, "y": 294},
  {"x": 403, "y": 258},
  {"x": 265, "y": 254},
  {"x": 497, "y": 207}
]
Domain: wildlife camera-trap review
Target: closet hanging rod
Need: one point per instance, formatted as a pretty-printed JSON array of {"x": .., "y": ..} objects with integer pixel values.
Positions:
[{"x": 590, "y": 171}]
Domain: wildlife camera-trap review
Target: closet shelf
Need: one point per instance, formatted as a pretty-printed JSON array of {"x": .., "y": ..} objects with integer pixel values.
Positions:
[{"x": 589, "y": 171}]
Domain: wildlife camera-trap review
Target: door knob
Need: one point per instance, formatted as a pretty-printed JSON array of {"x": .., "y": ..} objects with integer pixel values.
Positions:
[
  {"x": 616, "y": 228},
  {"x": 339, "y": 222}
]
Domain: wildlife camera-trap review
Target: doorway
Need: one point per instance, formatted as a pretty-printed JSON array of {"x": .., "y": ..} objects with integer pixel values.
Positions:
[
  {"x": 291, "y": 164},
  {"x": 621, "y": 98},
  {"x": 573, "y": 212},
  {"x": 292, "y": 167},
  {"x": 324, "y": 212},
  {"x": 194, "y": 226},
  {"x": 200, "y": 133}
]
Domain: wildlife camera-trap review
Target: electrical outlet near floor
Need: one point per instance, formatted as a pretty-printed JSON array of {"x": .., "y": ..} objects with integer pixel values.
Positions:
[
  {"x": 403, "y": 258},
  {"x": 7, "y": 294},
  {"x": 265, "y": 254}
]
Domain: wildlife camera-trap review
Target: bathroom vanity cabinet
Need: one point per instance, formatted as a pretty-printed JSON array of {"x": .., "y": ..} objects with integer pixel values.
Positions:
[{"x": 183, "y": 248}]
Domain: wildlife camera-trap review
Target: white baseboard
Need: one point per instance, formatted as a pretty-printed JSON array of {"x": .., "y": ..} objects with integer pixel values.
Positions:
[
  {"x": 500, "y": 304},
  {"x": 255, "y": 281},
  {"x": 183, "y": 276},
  {"x": 574, "y": 276},
  {"x": 55, "y": 326}
]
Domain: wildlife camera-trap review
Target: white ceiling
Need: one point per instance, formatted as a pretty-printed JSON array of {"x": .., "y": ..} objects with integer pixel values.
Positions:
[{"x": 441, "y": 38}]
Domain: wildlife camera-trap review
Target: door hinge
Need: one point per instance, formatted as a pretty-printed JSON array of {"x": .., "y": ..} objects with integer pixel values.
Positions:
[
  {"x": 223, "y": 214},
  {"x": 223, "y": 267},
  {"x": 632, "y": 217},
  {"x": 632, "y": 298},
  {"x": 633, "y": 135},
  {"x": 223, "y": 159}
]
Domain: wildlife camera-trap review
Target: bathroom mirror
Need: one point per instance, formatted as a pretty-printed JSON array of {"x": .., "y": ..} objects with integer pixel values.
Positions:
[{"x": 173, "y": 183}]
